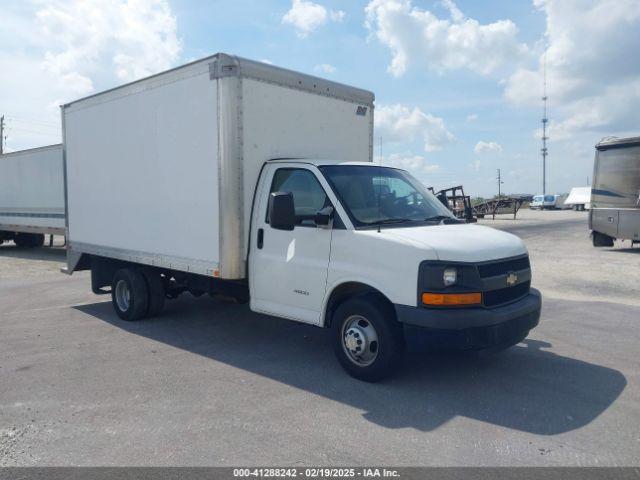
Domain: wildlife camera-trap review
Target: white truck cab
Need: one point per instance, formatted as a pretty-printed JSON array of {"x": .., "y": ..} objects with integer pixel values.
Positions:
[
  {"x": 375, "y": 242},
  {"x": 544, "y": 202},
  {"x": 209, "y": 178}
]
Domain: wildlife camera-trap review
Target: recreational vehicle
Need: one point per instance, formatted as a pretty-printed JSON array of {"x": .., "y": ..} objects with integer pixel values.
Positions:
[{"x": 615, "y": 195}]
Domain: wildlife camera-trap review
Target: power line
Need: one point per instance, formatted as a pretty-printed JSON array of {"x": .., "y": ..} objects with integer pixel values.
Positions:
[
  {"x": 29, "y": 130},
  {"x": 33, "y": 121},
  {"x": 500, "y": 182}
]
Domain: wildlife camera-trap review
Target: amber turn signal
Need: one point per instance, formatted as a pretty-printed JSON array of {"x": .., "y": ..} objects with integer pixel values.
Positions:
[{"x": 446, "y": 299}]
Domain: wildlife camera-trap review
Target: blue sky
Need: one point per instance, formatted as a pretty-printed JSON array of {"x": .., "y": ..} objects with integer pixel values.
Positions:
[{"x": 457, "y": 85}]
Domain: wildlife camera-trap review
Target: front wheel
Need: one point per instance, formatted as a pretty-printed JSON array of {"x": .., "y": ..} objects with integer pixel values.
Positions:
[
  {"x": 601, "y": 240},
  {"x": 367, "y": 339}
]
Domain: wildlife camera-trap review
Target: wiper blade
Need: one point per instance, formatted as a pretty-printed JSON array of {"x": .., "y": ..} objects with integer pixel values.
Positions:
[
  {"x": 389, "y": 221},
  {"x": 443, "y": 218}
]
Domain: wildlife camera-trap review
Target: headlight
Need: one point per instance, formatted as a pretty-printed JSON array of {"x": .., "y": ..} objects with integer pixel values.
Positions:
[{"x": 450, "y": 276}]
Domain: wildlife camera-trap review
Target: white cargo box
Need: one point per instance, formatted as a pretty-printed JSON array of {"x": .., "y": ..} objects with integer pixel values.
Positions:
[
  {"x": 32, "y": 191},
  {"x": 162, "y": 171},
  {"x": 579, "y": 196}
]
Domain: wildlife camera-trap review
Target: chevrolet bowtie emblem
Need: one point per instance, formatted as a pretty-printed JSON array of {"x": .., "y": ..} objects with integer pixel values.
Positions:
[{"x": 512, "y": 279}]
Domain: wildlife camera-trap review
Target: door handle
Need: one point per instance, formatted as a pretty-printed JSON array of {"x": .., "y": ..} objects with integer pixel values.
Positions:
[{"x": 260, "y": 238}]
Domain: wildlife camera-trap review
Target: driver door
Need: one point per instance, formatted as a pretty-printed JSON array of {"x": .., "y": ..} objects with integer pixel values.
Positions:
[{"x": 288, "y": 269}]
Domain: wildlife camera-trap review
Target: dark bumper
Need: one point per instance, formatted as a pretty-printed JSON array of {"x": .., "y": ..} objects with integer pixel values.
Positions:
[{"x": 471, "y": 328}]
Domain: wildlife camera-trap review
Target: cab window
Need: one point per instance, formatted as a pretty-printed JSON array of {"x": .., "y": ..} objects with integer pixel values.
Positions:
[{"x": 308, "y": 195}]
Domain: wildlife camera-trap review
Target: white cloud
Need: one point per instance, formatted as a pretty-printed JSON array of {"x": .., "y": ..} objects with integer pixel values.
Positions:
[
  {"x": 472, "y": 117},
  {"x": 65, "y": 50},
  {"x": 306, "y": 16},
  {"x": 337, "y": 15},
  {"x": 593, "y": 76},
  {"x": 325, "y": 68},
  {"x": 138, "y": 38},
  {"x": 487, "y": 147},
  {"x": 416, "y": 164},
  {"x": 417, "y": 37},
  {"x": 267, "y": 61},
  {"x": 401, "y": 124}
]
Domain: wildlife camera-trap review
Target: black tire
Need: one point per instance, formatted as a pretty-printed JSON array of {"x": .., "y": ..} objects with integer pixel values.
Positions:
[
  {"x": 156, "y": 292},
  {"x": 29, "y": 240},
  {"x": 388, "y": 349},
  {"x": 132, "y": 281},
  {"x": 601, "y": 240}
]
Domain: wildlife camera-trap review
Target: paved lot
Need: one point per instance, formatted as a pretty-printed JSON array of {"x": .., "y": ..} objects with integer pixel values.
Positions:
[{"x": 210, "y": 383}]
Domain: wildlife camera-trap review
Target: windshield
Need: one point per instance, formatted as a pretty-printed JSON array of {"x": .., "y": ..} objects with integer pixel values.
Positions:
[
  {"x": 538, "y": 198},
  {"x": 375, "y": 195}
]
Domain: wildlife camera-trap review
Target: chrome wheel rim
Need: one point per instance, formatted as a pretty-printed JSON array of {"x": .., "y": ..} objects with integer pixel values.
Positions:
[
  {"x": 123, "y": 295},
  {"x": 360, "y": 340}
]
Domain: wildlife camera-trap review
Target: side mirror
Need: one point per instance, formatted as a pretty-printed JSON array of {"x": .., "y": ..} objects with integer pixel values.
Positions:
[
  {"x": 282, "y": 214},
  {"x": 323, "y": 217}
]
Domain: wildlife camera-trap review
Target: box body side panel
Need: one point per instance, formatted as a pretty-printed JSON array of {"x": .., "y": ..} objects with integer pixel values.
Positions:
[
  {"x": 32, "y": 190},
  {"x": 142, "y": 173}
]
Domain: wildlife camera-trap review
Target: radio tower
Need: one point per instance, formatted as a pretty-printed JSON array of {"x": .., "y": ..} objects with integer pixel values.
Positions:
[{"x": 543, "y": 150}]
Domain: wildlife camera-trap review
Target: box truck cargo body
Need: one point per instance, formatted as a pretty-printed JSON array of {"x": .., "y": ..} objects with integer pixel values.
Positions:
[
  {"x": 579, "y": 198},
  {"x": 243, "y": 180},
  {"x": 164, "y": 170},
  {"x": 31, "y": 195}
]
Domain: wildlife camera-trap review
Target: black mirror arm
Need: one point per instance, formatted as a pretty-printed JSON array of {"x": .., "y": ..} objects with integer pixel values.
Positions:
[{"x": 323, "y": 217}]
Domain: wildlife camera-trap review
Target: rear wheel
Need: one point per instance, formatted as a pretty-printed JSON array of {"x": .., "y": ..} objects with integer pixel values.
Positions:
[
  {"x": 129, "y": 294},
  {"x": 367, "y": 339},
  {"x": 29, "y": 240},
  {"x": 601, "y": 240},
  {"x": 156, "y": 292}
]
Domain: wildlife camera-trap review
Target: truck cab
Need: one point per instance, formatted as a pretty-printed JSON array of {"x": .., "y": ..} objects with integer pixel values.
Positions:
[
  {"x": 544, "y": 202},
  {"x": 369, "y": 252}
]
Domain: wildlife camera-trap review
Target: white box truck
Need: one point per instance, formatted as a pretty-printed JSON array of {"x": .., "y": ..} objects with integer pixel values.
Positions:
[
  {"x": 31, "y": 195},
  {"x": 579, "y": 198},
  {"x": 228, "y": 176}
]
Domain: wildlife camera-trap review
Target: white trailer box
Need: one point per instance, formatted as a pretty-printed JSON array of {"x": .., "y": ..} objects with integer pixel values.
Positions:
[
  {"x": 579, "y": 198},
  {"x": 32, "y": 192},
  {"x": 162, "y": 171}
]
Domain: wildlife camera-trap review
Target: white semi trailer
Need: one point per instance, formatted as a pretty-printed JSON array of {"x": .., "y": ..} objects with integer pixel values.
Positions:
[
  {"x": 228, "y": 176},
  {"x": 31, "y": 195}
]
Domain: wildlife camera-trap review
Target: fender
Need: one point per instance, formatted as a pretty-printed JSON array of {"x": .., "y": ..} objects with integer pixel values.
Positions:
[{"x": 342, "y": 281}]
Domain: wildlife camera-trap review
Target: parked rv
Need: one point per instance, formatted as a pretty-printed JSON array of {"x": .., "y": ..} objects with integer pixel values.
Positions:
[
  {"x": 615, "y": 195},
  {"x": 229, "y": 176},
  {"x": 31, "y": 195},
  {"x": 579, "y": 198}
]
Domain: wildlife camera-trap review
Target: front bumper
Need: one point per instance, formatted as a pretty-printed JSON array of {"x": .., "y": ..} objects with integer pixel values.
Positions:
[{"x": 470, "y": 328}]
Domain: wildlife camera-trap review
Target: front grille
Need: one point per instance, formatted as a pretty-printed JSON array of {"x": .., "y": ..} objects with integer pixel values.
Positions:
[
  {"x": 504, "y": 295},
  {"x": 503, "y": 267}
]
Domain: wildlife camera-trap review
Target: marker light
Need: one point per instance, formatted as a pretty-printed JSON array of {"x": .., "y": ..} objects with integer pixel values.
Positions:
[
  {"x": 448, "y": 299},
  {"x": 450, "y": 276}
]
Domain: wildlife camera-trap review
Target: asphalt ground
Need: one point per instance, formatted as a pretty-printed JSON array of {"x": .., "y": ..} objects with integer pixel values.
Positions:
[{"x": 211, "y": 383}]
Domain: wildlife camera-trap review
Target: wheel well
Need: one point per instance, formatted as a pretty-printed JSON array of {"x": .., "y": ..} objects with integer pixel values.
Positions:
[{"x": 348, "y": 290}]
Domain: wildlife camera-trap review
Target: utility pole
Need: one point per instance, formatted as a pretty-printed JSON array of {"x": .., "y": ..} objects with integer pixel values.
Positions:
[
  {"x": 1, "y": 134},
  {"x": 543, "y": 150},
  {"x": 500, "y": 182}
]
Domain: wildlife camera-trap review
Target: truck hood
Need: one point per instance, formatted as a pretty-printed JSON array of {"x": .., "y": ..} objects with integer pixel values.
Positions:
[{"x": 460, "y": 243}]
